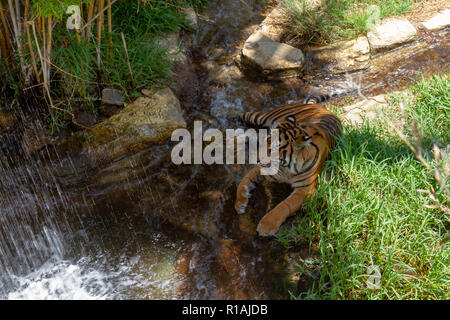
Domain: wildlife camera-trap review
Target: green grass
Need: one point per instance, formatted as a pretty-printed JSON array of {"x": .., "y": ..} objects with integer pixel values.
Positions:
[
  {"x": 153, "y": 17},
  {"x": 339, "y": 19},
  {"x": 76, "y": 79},
  {"x": 368, "y": 211}
]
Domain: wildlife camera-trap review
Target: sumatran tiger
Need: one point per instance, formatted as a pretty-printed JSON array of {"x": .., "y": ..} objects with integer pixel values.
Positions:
[{"x": 307, "y": 134}]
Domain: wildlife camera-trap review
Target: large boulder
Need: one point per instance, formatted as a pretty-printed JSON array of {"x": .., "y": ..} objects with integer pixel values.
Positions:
[
  {"x": 345, "y": 56},
  {"x": 391, "y": 33},
  {"x": 262, "y": 56},
  {"x": 148, "y": 120}
]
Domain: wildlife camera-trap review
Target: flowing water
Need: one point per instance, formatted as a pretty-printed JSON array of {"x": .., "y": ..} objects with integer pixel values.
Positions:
[{"x": 144, "y": 228}]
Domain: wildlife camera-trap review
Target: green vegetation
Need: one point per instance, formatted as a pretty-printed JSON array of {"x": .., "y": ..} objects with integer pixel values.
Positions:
[
  {"x": 52, "y": 8},
  {"x": 375, "y": 206},
  {"x": 81, "y": 63},
  {"x": 141, "y": 22},
  {"x": 339, "y": 19}
]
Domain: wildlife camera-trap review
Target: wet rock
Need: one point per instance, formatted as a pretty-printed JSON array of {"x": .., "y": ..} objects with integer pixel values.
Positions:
[
  {"x": 390, "y": 34},
  {"x": 7, "y": 121},
  {"x": 223, "y": 74},
  {"x": 184, "y": 196},
  {"x": 112, "y": 97},
  {"x": 85, "y": 119},
  {"x": 147, "y": 92},
  {"x": 34, "y": 137},
  {"x": 212, "y": 195},
  {"x": 148, "y": 120},
  {"x": 270, "y": 59},
  {"x": 439, "y": 21},
  {"x": 345, "y": 56}
]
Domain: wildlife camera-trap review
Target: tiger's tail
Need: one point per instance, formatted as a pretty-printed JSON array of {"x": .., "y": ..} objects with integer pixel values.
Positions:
[{"x": 318, "y": 97}]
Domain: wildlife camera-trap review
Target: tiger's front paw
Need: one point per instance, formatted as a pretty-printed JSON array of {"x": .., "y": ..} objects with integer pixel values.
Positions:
[{"x": 268, "y": 226}]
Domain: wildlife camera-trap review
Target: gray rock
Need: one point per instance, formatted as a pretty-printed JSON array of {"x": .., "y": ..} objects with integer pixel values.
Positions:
[
  {"x": 345, "y": 56},
  {"x": 391, "y": 33},
  {"x": 365, "y": 110},
  {"x": 85, "y": 118},
  {"x": 439, "y": 21},
  {"x": 112, "y": 97},
  {"x": 269, "y": 58}
]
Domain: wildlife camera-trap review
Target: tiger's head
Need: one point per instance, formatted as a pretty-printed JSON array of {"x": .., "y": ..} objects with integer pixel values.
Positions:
[
  {"x": 298, "y": 136},
  {"x": 294, "y": 139}
]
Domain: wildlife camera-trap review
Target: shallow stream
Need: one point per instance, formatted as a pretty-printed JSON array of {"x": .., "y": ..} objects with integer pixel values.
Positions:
[{"x": 144, "y": 228}]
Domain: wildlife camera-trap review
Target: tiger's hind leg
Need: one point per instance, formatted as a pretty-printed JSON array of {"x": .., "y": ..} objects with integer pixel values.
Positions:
[
  {"x": 248, "y": 183},
  {"x": 271, "y": 222}
]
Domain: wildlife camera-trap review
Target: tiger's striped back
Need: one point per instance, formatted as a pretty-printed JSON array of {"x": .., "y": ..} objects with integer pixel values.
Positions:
[{"x": 307, "y": 114}]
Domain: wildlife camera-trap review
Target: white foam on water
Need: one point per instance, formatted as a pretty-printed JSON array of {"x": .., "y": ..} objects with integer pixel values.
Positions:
[
  {"x": 62, "y": 280},
  {"x": 97, "y": 278}
]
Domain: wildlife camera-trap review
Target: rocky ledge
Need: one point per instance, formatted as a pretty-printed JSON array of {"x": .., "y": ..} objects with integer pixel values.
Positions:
[
  {"x": 148, "y": 120},
  {"x": 390, "y": 34},
  {"x": 264, "y": 56}
]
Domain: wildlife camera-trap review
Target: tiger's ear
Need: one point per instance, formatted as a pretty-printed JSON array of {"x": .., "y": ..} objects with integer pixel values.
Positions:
[{"x": 291, "y": 119}]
